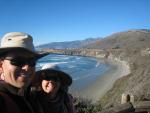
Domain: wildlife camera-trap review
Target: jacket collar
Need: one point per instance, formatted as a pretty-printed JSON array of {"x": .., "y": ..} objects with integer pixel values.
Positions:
[{"x": 5, "y": 87}]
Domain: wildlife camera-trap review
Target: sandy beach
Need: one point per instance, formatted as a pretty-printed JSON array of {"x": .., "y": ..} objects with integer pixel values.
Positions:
[{"x": 103, "y": 83}]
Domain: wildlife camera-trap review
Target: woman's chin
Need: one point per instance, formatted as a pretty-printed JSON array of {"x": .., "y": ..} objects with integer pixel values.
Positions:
[{"x": 48, "y": 90}]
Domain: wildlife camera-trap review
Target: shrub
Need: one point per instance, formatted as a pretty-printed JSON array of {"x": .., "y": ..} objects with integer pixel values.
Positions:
[{"x": 86, "y": 106}]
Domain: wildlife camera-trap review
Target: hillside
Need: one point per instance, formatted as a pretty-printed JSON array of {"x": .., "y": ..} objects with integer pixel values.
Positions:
[
  {"x": 132, "y": 46},
  {"x": 127, "y": 39},
  {"x": 68, "y": 44}
]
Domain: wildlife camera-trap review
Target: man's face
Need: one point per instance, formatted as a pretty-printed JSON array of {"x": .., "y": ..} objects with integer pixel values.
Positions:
[{"x": 16, "y": 69}]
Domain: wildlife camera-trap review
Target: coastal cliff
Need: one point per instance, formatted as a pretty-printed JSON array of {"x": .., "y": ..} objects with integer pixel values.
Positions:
[{"x": 131, "y": 48}]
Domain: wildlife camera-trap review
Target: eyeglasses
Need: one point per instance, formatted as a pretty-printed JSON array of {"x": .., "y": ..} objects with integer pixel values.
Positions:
[{"x": 20, "y": 62}]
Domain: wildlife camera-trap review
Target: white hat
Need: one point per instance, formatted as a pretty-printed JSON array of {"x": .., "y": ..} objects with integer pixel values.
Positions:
[
  {"x": 18, "y": 40},
  {"x": 48, "y": 70}
]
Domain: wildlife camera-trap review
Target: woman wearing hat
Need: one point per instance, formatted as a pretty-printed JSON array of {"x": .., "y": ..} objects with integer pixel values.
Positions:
[{"x": 51, "y": 86}]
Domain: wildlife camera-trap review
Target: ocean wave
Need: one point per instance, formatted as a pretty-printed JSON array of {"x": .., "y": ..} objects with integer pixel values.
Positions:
[
  {"x": 78, "y": 58},
  {"x": 71, "y": 66},
  {"x": 97, "y": 64},
  {"x": 65, "y": 57},
  {"x": 53, "y": 63}
]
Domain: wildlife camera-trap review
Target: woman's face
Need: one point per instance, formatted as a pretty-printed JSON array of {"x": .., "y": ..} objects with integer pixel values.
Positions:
[{"x": 50, "y": 86}]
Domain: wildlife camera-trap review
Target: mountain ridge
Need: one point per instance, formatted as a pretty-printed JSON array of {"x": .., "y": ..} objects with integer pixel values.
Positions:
[{"x": 68, "y": 44}]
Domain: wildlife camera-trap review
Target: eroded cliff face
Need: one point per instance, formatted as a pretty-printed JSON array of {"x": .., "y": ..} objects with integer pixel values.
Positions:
[{"x": 136, "y": 83}]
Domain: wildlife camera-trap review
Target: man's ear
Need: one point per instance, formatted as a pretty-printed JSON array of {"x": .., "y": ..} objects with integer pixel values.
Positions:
[{"x": 1, "y": 69}]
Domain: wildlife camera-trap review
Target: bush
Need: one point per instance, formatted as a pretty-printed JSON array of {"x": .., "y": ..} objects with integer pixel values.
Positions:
[
  {"x": 86, "y": 106},
  {"x": 116, "y": 47}
]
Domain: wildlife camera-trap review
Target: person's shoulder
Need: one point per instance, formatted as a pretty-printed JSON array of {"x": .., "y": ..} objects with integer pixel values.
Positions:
[
  {"x": 4, "y": 92},
  {"x": 5, "y": 101},
  {"x": 2, "y": 101},
  {"x": 68, "y": 97},
  {"x": 1, "y": 98},
  {"x": 3, "y": 95},
  {"x": 2, "y": 86}
]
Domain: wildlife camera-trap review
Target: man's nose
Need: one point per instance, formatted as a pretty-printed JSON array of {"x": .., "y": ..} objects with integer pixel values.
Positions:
[{"x": 25, "y": 67}]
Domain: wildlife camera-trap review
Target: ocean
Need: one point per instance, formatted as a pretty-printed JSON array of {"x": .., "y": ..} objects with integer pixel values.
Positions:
[{"x": 83, "y": 70}]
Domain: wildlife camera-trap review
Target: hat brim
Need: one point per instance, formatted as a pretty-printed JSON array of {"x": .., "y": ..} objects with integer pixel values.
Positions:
[
  {"x": 65, "y": 79},
  {"x": 31, "y": 53},
  {"x": 40, "y": 55}
]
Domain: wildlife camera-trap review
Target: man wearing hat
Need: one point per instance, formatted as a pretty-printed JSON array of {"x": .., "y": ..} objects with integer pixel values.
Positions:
[
  {"x": 52, "y": 85},
  {"x": 17, "y": 67}
]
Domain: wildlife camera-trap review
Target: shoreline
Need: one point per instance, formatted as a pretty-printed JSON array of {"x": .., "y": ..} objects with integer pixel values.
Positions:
[{"x": 94, "y": 91}]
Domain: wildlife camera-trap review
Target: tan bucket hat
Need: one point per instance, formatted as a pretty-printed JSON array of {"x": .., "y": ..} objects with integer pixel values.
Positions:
[
  {"x": 48, "y": 70},
  {"x": 18, "y": 40}
]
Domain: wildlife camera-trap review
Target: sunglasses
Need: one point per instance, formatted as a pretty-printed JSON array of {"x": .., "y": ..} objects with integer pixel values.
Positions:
[
  {"x": 53, "y": 78},
  {"x": 20, "y": 62}
]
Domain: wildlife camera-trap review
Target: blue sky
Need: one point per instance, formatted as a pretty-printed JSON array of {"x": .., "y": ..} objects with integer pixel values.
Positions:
[{"x": 67, "y": 20}]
